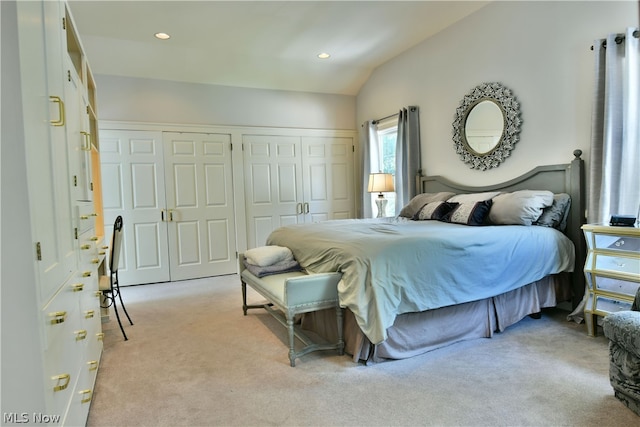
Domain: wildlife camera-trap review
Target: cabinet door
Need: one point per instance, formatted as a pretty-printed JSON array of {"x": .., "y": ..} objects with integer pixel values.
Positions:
[
  {"x": 45, "y": 146},
  {"x": 132, "y": 168},
  {"x": 78, "y": 135},
  {"x": 200, "y": 208},
  {"x": 273, "y": 184},
  {"x": 328, "y": 178}
]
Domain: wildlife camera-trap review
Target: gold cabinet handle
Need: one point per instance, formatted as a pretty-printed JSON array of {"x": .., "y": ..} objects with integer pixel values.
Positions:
[
  {"x": 100, "y": 336},
  {"x": 86, "y": 274},
  {"x": 95, "y": 261},
  {"x": 102, "y": 253},
  {"x": 81, "y": 334},
  {"x": 85, "y": 247},
  {"x": 86, "y": 146},
  {"x": 64, "y": 377},
  {"x": 98, "y": 294},
  {"x": 89, "y": 314},
  {"x": 77, "y": 287},
  {"x": 94, "y": 238},
  {"x": 93, "y": 365},
  {"x": 58, "y": 317},
  {"x": 84, "y": 216},
  {"x": 86, "y": 392},
  {"x": 60, "y": 121}
]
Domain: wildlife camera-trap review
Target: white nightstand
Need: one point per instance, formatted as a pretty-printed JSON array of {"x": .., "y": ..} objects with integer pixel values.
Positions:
[{"x": 612, "y": 270}]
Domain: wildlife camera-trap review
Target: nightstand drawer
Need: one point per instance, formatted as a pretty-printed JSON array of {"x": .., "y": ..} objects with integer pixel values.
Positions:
[
  {"x": 610, "y": 305},
  {"x": 617, "y": 243},
  {"x": 617, "y": 264},
  {"x": 617, "y": 286}
]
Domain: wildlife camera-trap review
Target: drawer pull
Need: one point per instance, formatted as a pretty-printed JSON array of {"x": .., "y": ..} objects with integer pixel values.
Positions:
[
  {"x": 81, "y": 334},
  {"x": 64, "y": 377},
  {"x": 84, "y": 216},
  {"x": 619, "y": 243},
  {"x": 77, "y": 287},
  {"x": 89, "y": 314},
  {"x": 102, "y": 253},
  {"x": 85, "y": 247},
  {"x": 86, "y": 274},
  {"x": 58, "y": 317},
  {"x": 95, "y": 261},
  {"x": 98, "y": 294},
  {"x": 94, "y": 238},
  {"x": 85, "y": 393},
  {"x": 93, "y": 365},
  {"x": 100, "y": 336}
]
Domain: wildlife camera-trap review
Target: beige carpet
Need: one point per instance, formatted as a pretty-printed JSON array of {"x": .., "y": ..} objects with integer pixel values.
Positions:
[{"x": 193, "y": 359}]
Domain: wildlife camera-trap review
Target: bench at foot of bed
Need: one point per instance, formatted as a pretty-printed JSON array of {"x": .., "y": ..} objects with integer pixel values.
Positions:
[{"x": 289, "y": 294}]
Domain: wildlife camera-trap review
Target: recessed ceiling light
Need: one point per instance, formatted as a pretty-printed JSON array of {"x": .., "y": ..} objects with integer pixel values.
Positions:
[
  {"x": 323, "y": 55},
  {"x": 162, "y": 36}
]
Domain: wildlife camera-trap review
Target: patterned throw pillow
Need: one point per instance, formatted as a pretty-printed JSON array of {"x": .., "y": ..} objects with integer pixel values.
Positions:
[
  {"x": 434, "y": 210},
  {"x": 471, "y": 213}
]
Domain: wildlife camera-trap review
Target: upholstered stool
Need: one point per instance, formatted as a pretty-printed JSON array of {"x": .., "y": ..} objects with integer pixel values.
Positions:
[{"x": 623, "y": 330}]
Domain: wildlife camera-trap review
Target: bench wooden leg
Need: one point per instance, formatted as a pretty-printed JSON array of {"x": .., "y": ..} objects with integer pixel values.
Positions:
[
  {"x": 292, "y": 349},
  {"x": 340, "y": 317}
]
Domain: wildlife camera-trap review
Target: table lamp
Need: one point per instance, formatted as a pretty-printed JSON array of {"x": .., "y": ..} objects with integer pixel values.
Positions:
[{"x": 381, "y": 183}]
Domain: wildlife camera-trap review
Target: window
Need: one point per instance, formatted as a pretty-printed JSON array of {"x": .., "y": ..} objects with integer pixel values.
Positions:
[{"x": 383, "y": 159}]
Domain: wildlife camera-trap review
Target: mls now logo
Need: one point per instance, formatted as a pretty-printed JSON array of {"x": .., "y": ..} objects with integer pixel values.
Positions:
[{"x": 24, "y": 417}]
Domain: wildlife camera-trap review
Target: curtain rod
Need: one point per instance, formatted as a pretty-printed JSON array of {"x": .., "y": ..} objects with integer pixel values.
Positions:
[
  {"x": 375, "y": 121},
  {"x": 619, "y": 39}
]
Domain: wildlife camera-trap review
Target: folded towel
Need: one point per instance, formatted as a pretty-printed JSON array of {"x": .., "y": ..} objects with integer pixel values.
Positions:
[
  {"x": 268, "y": 255},
  {"x": 285, "y": 266}
]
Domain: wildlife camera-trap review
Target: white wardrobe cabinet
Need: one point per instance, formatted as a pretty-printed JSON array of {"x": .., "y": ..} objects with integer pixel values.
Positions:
[{"x": 51, "y": 331}]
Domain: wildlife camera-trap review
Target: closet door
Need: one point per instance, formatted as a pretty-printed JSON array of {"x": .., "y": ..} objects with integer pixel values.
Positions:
[
  {"x": 132, "y": 166},
  {"x": 200, "y": 213},
  {"x": 328, "y": 178},
  {"x": 273, "y": 184}
]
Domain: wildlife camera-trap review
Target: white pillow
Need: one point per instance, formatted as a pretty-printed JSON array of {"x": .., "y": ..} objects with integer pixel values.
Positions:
[{"x": 522, "y": 207}]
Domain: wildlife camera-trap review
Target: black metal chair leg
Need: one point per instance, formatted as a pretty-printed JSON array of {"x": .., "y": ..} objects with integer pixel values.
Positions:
[{"x": 115, "y": 308}]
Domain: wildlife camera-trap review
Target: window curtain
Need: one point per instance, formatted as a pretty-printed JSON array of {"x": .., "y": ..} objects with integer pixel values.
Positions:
[
  {"x": 369, "y": 145},
  {"x": 614, "y": 182},
  {"x": 407, "y": 155}
]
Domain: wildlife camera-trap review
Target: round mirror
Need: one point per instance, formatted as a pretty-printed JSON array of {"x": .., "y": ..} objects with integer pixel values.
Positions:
[
  {"x": 486, "y": 126},
  {"x": 483, "y": 127}
]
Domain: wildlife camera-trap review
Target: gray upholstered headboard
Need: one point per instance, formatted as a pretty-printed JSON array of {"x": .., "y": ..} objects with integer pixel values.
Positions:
[{"x": 564, "y": 178}]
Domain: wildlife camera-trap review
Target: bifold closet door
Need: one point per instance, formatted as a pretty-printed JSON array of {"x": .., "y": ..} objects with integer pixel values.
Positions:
[
  {"x": 200, "y": 212},
  {"x": 133, "y": 186}
]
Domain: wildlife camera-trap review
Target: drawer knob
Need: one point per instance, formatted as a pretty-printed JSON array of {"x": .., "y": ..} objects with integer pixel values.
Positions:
[
  {"x": 89, "y": 314},
  {"x": 86, "y": 393},
  {"x": 86, "y": 274},
  {"x": 77, "y": 287},
  {"x": 65, "y": 378},
  {"x": 93, "y": 365},
  {"x": 85, "y": 247},
  {"x": 58, "y": 317},
  {"x": 81, "y": 334},
  {"x": 100, "y": 336}
]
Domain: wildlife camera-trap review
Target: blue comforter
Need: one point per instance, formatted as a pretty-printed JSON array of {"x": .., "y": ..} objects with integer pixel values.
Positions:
[{"x": 392, "y": 266}]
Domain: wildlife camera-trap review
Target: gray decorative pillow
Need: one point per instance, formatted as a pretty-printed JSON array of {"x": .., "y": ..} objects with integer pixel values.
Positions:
[
  {"x": 556, "y": 215},
  {"x": 474, "y": 197},
  {"x": 415, "y": 204},
  {"x": 434, "y": 210},
  {"x": 522, "y": 207}
]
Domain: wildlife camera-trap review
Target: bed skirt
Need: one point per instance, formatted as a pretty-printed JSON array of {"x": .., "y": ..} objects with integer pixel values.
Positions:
[{"x": 416, "y": 333}]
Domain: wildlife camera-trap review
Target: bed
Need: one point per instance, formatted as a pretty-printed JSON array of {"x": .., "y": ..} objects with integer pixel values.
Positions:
[{"x": 417, "y": 282}]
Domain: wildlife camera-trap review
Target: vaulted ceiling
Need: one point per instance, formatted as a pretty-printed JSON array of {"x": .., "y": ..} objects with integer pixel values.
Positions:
[{"x": 258, "y": 44}]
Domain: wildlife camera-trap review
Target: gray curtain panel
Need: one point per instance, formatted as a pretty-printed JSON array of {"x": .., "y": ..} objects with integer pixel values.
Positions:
[
  {"x": 614, "y": 177},
  {"x": 407, "y": 155},
  {"x": 368, "y": 139}
]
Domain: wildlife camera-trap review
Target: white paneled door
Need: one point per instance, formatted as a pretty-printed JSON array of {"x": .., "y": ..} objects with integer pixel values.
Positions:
[
  {"x": 296, "y": 179},
  {"x": 200, "y": 210},
  {"x": 174, "y": 191},
  {"x": 132, "y": 166}
]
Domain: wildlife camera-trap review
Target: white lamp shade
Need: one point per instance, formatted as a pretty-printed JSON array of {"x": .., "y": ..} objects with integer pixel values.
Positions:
[{"x": 380, "y": 183}]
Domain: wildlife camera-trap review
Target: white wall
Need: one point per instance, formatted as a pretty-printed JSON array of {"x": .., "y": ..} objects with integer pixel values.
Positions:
[
  {"x": 160, "y": 101},
  {"x": 541, "y": 50}
]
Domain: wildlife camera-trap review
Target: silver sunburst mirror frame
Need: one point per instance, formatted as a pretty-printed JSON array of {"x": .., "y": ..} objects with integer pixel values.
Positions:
[{"x": 497, "y": 151}]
